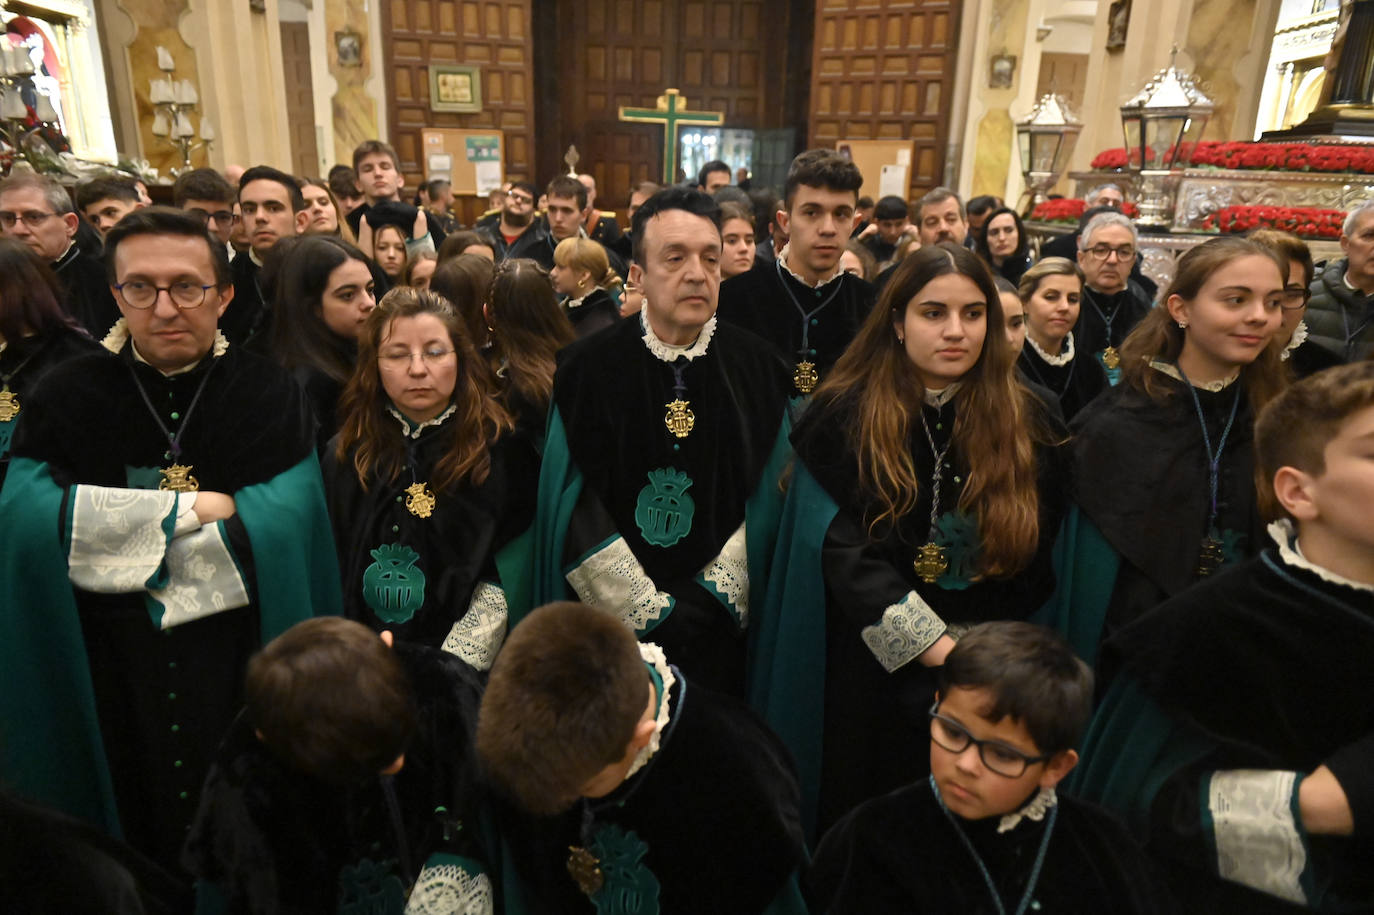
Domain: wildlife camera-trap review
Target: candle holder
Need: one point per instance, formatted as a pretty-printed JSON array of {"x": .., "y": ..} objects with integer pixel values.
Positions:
[
  {"x": 174, "y": 102},
  {"x": 16, "y": 78}
]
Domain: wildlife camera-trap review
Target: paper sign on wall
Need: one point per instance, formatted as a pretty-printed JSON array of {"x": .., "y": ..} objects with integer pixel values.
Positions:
[{"x": 892, "y": 182}]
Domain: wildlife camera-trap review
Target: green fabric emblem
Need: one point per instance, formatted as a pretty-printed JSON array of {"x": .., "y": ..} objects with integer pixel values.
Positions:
[
  {"x": 143, "y": 477},
  {"x": 394, "y": 586},
  {"x": 630, "y": 888},
  {"x": 663, "y": 510},
  {"x": 370, "y": 888},
  {"x": 958, "y": 534}
]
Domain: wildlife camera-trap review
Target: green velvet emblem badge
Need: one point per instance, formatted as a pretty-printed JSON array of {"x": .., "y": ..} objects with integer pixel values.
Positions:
[
  {"x": 663, "y": 510},
  {"x": 629, "y": 888},
  {"x": 958, "y": 534},
  {"x": 370, "y": 888},
  {"x": 6, "y": 433},
  {"x": 394, "y": 586}
]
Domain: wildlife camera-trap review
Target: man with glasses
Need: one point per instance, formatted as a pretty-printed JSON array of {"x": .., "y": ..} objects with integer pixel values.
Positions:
[
  {"x": 209, "y": 195},
  {"x": 517, "y": 231},
  {"x": 39, "y": 212},
  {"x": 163, "y": 516},
  {"x": 1340, "y": 314},
  {"x": 1113, "y": 304}
]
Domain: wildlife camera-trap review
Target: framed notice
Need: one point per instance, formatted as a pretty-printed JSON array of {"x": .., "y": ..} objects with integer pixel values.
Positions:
[
  {"x": 455, "y": 88},
  {"x": 475, "y": 158}
]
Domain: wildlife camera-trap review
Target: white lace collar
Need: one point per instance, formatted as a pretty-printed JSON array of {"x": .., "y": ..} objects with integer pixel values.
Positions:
[
  {"x": 574, "y": 303},
  {"x": 1173, "y": 372},
  {"x": 834, "y": 274},
  {"x": 1285, "y": 537},
  {"x": 1065, "y": 353},
  {"x": 1298, "y": 339},
  {"x": 119, "y": 335},
  {"x": 1035, "y": 809},
  {"x": 653, "y": 656},
  {"x": 938, "y": 399},
  {"x": 670, "y": 352},
  {"x": 413, "y": 430}
]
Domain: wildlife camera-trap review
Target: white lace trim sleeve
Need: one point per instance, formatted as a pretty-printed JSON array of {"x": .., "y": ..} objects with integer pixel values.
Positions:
[
  {"x": 611, "y": 578},
  {"x": 727, "y": 576},
  {"x": 119, "y": 537},
  {"x": 907, "y": 629},
  {"x": 203, "y": 578},
  {"x": 446, "y": 887},
  {"x": 479, "y": 634},
  {"x": 1258, "y": 841}
]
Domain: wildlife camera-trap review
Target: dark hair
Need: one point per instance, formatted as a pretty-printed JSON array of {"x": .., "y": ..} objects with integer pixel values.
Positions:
[
  {"x": 1295, "y": 427},
  {"x": 268, "y": 173},
  {"x": 528, "y": 328},
  {"x": 436, "y": 187},
  {"x": 866, "y": 201},
  {"x": 765, "y": 205},
  {"x": 648, "y": 188},
  {"x": 982, "y": 203},
  {"x": 54, "y": 193},
  {"x": 458, "y": 242},
  {"x": 1287, "y": 247},
  {"x": 108, "y": 188},
  {"x": 343, "y": 181},
  {"x": 464, "y": 281},
  {"x": 730, "y": 210},
  {"x": 1034, "y": 678},
  {"x": 299, "y": 334},
  {"x": 373, "y": 147},
  {"x": 1005, "y": 285},
  {"x": 563, "y": 700},
  {"x": 415, "y": 260},
  {"x": 158, "y": 220},
  {"x": 330, "y": 699},
  {"x": 690, "y": 200},
  {"x": 379, "y": 452},
  {"x": 731, "y": 194},
  {"x": 529, "y": 188},
  {"x": 202, "y": 184},
  {"x": 821, "y": 168},
  {"x": 30, "y": 296},
  {"x": 566, "y": 186},
  {"x": 939, "y": 195},
  {"x": 1022, "y": 240},
  {"x": 1091, "y": 213},
  {"x": 715, "y": 165},
  {"x": 891, "y": 207},
  {"x": 865, "y": 256}
]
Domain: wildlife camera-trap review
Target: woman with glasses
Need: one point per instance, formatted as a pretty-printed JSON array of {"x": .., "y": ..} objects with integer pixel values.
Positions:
[
  {"x": 927, "y": 491},
  {"x": 1052, "y": 294},
  {"x": 1003, "y": 245},
  {"x": 1305, "y": 356},
  {"x": 1113, "y": 303},
  {"x": 426, "y": 486},
  {"x": 1163, "y": 462}
]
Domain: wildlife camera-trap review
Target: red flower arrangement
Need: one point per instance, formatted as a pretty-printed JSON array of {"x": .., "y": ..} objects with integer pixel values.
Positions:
[
  {"x": 1070, "y": 209},
  {"x": 1308, "y": 222},
  {"x": 1292, "y": 157}
]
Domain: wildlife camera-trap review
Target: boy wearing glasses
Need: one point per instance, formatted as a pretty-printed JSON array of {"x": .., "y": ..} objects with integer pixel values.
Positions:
[
  {"x": 987, "y": 832},
  {"x": 163, "y": 513}
]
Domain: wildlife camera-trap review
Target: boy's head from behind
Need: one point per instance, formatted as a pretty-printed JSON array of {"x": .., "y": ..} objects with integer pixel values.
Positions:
[
  {"x": 566, "y": 709},
  {"x": 1020, "y": 691},
  {"x": 329, "y": 698}
]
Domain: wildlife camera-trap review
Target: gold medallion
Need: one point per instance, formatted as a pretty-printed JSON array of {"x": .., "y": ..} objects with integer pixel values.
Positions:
[
  {"x": 177, "y": 478},
  {"x": 585, "y": 870},
  {"x": 1211, "y": 557},
  {"x": 805, "y": 377},
  {"x": 419, "y": 500},
  {"x": 1110, "y": 357},
  {"x": 679, "y": 419},
  {"x": 931, "y": 562},
  {"x": 9, "y": 405}
]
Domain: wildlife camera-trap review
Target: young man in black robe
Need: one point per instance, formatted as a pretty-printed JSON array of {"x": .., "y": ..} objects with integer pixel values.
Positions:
[
  {"x": 1238, "y": 735},
  {"x": 623, "y": 786},
  {"x": 804, "y": 303},
  {"x": 163, "y": 514},
  {"x": 273, "y": 208},
  {"x": 658, "y": 493},
  {"x": 987, "y": 832}
]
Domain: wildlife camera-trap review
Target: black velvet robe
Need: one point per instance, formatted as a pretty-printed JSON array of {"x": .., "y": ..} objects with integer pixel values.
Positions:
[
  {"x": 272, "y": 840},
  {"x": 717, "y": 806},
  {"x": 43, "y": 354},
  {"x": 595, "y": 312},
  {"x": 875, "y": 722},
  {"x": 1073, "y": 385},
  {"x": 86, "y": 288},
  {"x": 771, "y": 303},
  {"x": 164, "y": 698},
  {"x": 899, "y": 854},
  {"x": 247, "y": 322},
  {"x": 1124, "y": 309}
]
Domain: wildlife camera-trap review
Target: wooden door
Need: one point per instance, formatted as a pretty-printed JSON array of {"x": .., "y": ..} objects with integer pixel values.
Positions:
[
  {"x": 1066, "y": 74},
  {"x": 300, "y": 98}
]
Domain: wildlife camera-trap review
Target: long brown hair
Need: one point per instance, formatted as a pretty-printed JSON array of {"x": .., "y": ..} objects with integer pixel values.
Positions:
[
  {"x": 528, "y": 327},
  {"x": 1159, "y": 338},
  {"x": 367, "y": 429},
  {"x": 879, "y": 386}
]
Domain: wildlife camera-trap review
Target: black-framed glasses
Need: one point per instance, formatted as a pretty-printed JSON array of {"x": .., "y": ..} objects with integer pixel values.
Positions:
[
  {"x": 1295, "y": 297},
  {"x": 1102, "y": 252},
  {"x": 518, "y": 197},
  {"x": 184, "y": 294},
  {"x": 998, "y": 757},
  {"x": 221, "y": 217},
  {"x": 33, "y": 218}
]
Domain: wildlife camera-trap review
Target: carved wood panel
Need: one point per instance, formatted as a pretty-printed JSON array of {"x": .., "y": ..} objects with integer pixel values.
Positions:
[
  {"x": 884, "y": 69},
  {"x": 746, "y": 58},
  {"x": 493, "y": 35},
  {"x": 300, "y": 97}
]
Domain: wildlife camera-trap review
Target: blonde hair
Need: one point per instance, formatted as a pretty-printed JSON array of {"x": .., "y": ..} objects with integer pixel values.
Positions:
[{"x": 578, "y": 253}]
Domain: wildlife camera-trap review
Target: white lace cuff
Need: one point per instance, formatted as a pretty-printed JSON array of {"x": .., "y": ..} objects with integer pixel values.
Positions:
[
  {"x": 202, "y": 578},
  {"x": 727, "y": 576},
  {"x": 119, "y": 537},
  {"x": 1256, "y": 834},
  {"x": 450, "y": 885},
  {"x": 611, "y": 578},
  {"x": 906, "y": 630},
  {"x": 478, "y": 636}
]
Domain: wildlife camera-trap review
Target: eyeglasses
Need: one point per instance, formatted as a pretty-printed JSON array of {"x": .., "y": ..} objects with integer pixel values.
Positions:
[
  {"x": 399, "y": 362},
  {"x": 1102, "y": 252},
  {"x": 33, "y": 219},
  {"x": 1294, "y": 297},
  {"x": 221, "y": 217},
  {"x": 1004, "y": 760},
  {"x": 184, "y": 295},
  {"x": 520, "y": 198}
]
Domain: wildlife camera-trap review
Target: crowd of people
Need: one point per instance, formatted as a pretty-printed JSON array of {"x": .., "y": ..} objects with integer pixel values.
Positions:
[{"x": 780, "y": 551}]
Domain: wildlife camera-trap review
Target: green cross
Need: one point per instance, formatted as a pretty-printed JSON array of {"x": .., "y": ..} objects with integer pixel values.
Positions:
[{"x": 671, "y": 111}]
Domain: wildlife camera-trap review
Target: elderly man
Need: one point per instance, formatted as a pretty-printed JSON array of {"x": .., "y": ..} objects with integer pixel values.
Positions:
[
  {"x": 39, "y": 212},
  {"x": 163, "y": 516},
  {"x": 1340, "y": 315},
  {"x": 1113, "y": 303},
  {"x": 658, "y": 495},
  {"x": 1106, "y": 195},
  {"x": 940, "y": 217}
]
